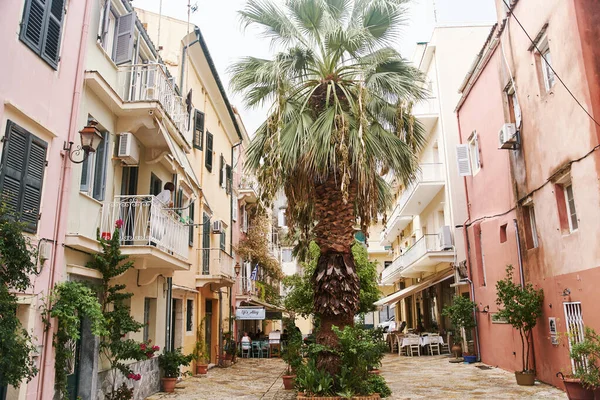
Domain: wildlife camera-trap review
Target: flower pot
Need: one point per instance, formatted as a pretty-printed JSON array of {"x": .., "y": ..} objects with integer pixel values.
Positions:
[
  {"x": 456, "y": 349},
  {"x": 576, "y": 391},
  {"x": 374, "y": 396},
  {"x": 168, "y": 384},
  {"x": 525, "y": 378},
  {"x": 288, "y": 381},
  {"x": 470, "y": 359},
  {"x": 201, "y": 369}
]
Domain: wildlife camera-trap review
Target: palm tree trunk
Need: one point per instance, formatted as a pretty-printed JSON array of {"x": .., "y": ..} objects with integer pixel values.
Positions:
[{"x": 335, "y": 282}]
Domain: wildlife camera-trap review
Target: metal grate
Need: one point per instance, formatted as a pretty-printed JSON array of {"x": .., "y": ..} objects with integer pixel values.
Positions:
[{"x": 575, "y": 328}]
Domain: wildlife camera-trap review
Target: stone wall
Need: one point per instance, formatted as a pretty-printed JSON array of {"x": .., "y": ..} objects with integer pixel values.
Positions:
[{"x": 148, "y": 385}]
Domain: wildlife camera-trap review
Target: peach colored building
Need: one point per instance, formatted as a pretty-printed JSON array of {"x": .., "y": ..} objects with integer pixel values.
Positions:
[
  {"x": 546, "y": 176},
  {"x": 42, "y": 72}
]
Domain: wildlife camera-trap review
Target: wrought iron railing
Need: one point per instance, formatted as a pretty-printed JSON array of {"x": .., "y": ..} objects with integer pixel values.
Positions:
[{"x": 145, "y": 221}]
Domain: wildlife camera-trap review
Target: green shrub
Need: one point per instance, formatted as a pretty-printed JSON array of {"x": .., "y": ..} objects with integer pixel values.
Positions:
[{"x": 172, "y": 360}]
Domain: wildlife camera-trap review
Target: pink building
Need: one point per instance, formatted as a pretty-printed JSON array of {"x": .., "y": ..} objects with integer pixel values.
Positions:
[
  {"x": 538, "y": 64},
  {"x": 42, "y": 74}
]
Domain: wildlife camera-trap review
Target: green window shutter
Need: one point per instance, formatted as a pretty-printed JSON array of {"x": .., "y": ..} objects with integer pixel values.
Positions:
[
  {"x": 229, "y": 174},
  {"x": 206, "y": 245},
  {"x": 42, "y": 27},
  {"x": 208, "y": 156},
  {"x": 223, "y": 241},
  {"x": 123, "y": 52},
  {"x": 191, "y": 223},
  {"x": 22, "y": 173},
  {"x": 198, "y": 129},
  {"x": 221, "y": 174},
  {"x": 100, "y": 168}
]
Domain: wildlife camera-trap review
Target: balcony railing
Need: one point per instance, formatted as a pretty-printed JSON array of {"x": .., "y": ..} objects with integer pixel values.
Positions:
[
  {"x": 150, "y": 82},
  {"x": 427, "y": 243},
  {"x": 426, "y": 107},
  {"x": 428, "y": 172},
  {"x": 247, "y": 287},
  {"x": 216, "y": 262},
  {"x": 144, "y": 221}
]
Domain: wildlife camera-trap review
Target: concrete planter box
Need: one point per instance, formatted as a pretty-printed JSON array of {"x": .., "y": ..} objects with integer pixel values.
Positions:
[{"x": 374, "y": 396}]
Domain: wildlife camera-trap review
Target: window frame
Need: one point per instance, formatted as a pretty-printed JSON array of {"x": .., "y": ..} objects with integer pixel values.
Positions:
[
  {"x": 208, "y": 155},
  {"x": 199, "y": 122},
  {"x": 92, "y": 164},
  {"x": 223, "y": 239},
  {"x": 474, "y": 153},
  {"x": 189, "y": 315},
  {"x": 40, "y": 50},
  {"x": 571, "y": 213},
  {"x": 531, "y": 233},
  {"x": 545, "y": 60}
]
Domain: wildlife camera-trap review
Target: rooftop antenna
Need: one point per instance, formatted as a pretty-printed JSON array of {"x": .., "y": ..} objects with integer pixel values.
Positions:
[
  {"x": 434, "y": 12},
  {"x": 159, "y": 19}
]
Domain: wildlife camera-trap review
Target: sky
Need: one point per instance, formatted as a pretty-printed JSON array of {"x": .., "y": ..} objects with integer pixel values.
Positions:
[{"x": 228, "y": 41}]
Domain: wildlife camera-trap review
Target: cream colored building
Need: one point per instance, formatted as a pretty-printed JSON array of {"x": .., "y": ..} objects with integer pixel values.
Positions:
[{"x": 419, "y": 231}]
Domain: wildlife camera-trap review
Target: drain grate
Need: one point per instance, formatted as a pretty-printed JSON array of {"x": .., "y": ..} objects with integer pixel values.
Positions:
[{"x": 484, "y": 367}]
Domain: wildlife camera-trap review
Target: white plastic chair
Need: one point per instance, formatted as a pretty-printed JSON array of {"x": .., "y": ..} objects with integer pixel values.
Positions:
[
  {"x": 434, "y": 345},
  {"x": 246, "y": 349},
  {"x": 413, "y": 345}
]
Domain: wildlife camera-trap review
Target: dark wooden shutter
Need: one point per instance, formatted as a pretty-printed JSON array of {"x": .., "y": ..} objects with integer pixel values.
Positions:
[
  {"x": 54, "y": 22},
  {"x": 22, "y": 173},
  {"x": 221, "y": 174},
  {"x": 32, "y": 30},
  {"x": 229, "y": 179},
  {"x": 198, "y": 129},
  {"x": 191, "y": 222},
  {"x": 100, "y": 168},
  {"x": 124, "y": 41},
  {"x": 208, "y": 160},
  {"x": 206, "y": 245}
]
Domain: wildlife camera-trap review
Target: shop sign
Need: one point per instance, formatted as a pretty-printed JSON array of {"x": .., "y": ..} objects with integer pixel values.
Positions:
[{"x": 253, "y": 313}]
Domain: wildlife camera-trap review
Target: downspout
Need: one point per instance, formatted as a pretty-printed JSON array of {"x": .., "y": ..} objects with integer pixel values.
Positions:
[
  {"x": 220, "y": 327},
  {"x": 169, "y": 314},
  {"x": 64, "y": 186}
]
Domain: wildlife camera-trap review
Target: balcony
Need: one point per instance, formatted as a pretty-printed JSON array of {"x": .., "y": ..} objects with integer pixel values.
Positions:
[
  {"x": 248, "y": 190},
  {"x": 395, "y": 224},
  {"x": 247, "y": 287},
  {"x": 424, "y": 188},
  {"x": 154, "y": 237},
  {"x": 427, "y": 112},
  {"x": 215, "y": 267},
  {"x": 421, "y": 257}
]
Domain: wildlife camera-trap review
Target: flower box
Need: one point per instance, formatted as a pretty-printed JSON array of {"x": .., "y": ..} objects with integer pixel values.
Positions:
[{"x": 374, "y": 396}]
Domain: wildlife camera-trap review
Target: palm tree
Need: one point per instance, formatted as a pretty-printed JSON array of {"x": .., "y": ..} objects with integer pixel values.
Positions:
[{"x": 339, "y": 120}]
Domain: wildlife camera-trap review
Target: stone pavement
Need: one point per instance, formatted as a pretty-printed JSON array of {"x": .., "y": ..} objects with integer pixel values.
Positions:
[{"x": 409, "y": 378}]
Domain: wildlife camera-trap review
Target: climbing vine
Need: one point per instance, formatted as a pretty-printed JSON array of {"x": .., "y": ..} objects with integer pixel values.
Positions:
[{"x": 17, "y": 264}]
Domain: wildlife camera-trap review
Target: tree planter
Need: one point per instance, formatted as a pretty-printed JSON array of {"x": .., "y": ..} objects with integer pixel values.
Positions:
[
  {"x": 201, "y": 369},
  {"x": 374, "y": 396},
  {"x": 168, "y": 384},
  {"x": 525, "y": 378},
  {"x": 576, "y": 391},
  {"x": 288, "y": 381}
]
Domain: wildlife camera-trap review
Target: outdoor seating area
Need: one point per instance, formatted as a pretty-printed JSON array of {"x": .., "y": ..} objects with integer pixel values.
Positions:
[{"x": 412, "y": 344}]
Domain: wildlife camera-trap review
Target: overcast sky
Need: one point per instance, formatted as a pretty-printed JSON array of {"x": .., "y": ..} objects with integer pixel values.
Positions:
[{"x": 227, "y": 41}]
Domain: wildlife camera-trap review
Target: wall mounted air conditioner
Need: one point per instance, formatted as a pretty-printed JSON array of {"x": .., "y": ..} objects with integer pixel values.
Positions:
[
  {"x": 129, "y": 149},
  {"x": 508, "y": 137},
  {"x": 217, "y": 226},
  {"x": 445, "y": 238}
]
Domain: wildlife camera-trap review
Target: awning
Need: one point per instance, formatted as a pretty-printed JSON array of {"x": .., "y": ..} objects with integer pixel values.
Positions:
[
  {"x": 180, "y": 158},
  {"x": 184, "y": 288},
  {"x": 427, "y": 282}
]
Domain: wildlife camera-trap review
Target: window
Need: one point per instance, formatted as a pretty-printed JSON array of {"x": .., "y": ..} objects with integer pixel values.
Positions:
[
  {"x": 281, "y": 218},
  {"x": 244, "y": 219},
  {"x": 565, "y": 202},
  {"x": 22, "y": 174},
  {"x": 229, "y": 178},
  {"x": 149, "y": 319},
  {"x": 208, "y": 156},
  {"x": 545, "y": 60},
  {"x": 474, "y": 153},
  {"x": 387, "y": 264},
  {"x": 155, "y": 185},
  {"x": 206, "y": 244},
  {"x": 286, "y": 255},
  {"x": 503, "y": 237},
  {"x": 189, "y": 316},
  {"x": 513, "y": 106},
  {"x": 570, "y": 201},
  {"x": 191, "y": 227},
  {"x": 93, "y": 170},
  {"x": 223, "y": 239},
  {"x": 198, "y": 129},
  {"x": 462, "y": 159},
  {"x": 575, "y": 327},
  {"x": 234, "y": 209},
  {"x": 531, "y": 238},
  {"x": 116, "y": 33},
  {"x": 107, "y": 27},
  {"x": 222, "y": 172},
  {"x": 41, "y": 28}
]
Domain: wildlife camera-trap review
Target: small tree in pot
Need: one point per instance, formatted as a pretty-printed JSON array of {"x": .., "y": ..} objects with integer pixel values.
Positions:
[
  {"x": 291, "y": 353},
  {"x": 170, "y": 363},
  {"x": 462, "y": 317},
  {"x": 521, "y": 306},
  {"x": 200, "y": 353},
  {"x": 584, "y": 384}
]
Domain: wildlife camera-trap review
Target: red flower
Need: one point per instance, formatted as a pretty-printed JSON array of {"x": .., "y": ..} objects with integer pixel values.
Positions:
[
  {"x": 155, "y": 348},
  {"x": 119, "y": 223},
  {"x": 149, "y": 354},
  {"x": 143, "y": 346},
  {"x": 106, "y": 235}
]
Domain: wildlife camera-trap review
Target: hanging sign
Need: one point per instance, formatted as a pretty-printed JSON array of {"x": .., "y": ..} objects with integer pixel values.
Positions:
[
  {"x": 250, "y": 313},
  {"x": 553, "y": 330}
]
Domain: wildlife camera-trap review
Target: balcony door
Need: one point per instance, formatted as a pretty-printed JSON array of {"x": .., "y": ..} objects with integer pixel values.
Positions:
[
  {"x": 208, "y": 327},
  {"x": 129, "y": 183}
]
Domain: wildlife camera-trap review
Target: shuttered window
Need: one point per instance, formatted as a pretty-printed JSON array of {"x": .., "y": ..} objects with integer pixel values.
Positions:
[
  {"x": 462, "y": 158},
  {"x": 222, "y": 171},
  {"x": 206, "y": 245},
  {"x": 229, "y": 177},
  {"x": 42, "y": 27},
  {"x": 22, "y": 173},
  {"x": 198, "y": 129},
  {"x": 222, "y": 240},
  {"x": 123, "y": 47},
  {"x": 208, "y": 157},
  {"x": 93, "y": 172},
  {"x": 191, "y": 222}
]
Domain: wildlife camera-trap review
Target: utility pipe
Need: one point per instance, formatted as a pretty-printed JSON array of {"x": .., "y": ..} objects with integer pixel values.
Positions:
[{"x": 63, "y": 184}]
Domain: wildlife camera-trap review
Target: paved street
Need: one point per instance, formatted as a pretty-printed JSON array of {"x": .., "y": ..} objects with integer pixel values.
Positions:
[{"x": 409, "y": 378}]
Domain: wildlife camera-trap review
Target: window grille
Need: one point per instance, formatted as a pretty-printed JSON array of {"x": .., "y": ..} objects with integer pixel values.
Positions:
[{"x": 575, "y": 328}]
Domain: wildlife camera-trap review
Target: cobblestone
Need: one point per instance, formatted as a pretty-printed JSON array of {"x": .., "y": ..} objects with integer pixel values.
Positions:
[{"x": 410, "y": 378}]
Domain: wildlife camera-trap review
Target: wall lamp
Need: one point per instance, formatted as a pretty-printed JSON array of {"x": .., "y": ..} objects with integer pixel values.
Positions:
[
  {"x": 237, "y": 268},
  {"x": 486, "y": 309},
  {"x": 566, "y": 292},
  {"x": 90, "y": 139}
]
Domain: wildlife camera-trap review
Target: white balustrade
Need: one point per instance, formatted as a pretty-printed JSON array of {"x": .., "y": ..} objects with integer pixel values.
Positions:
[
  {"x": 426, "y": 244},
  {"x": 216, "y": 262}
]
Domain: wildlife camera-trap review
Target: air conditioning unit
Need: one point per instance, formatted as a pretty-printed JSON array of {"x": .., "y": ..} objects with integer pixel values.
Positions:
[
  {"x": 445, "y": 238},
  {"x": 129, "y": 149},
  {"x": 508, "y": 137},
  {"x": 217, "y": 226}
]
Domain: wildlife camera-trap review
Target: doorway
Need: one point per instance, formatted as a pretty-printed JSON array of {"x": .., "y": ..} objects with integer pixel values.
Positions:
[
  {"x": 129, "y": 181},
  {"x": 176, "y": 324},
  {"x": 208, "y": 327}
]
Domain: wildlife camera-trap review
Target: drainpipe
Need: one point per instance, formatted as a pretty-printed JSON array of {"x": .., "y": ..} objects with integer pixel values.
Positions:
[
  {"x": 220, "y": 327},
  {"x": 169, "y": 315},
  {"x": 63, "y": 184}
]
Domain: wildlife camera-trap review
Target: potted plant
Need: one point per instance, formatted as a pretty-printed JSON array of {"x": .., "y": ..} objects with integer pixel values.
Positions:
[
  {"x": 230, "y": 350},
  {"x": 291, "y": 354},
  {"x": 461, "y": 314},
  {"x": 170, "y": 363},
  {"x": 200, "y": 353},
  {"x": 521, "y": 307},
  {"x": 584, "y": 384}
]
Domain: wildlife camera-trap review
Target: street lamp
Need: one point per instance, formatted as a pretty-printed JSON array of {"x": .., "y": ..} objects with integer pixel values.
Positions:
[
  {"x": 237, "y": 269},
  {"x": 90, "y": 139}
]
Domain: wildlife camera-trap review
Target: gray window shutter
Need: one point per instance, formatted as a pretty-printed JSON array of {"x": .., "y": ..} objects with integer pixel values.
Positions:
[
  {"x": 208, "y": 160},
  {"x": 100, "y": 168},
  {"x": 191, "y": 222},
  {"x": 22, "y": 173},
  {"x": 55, "y": 13},
  {"x": 229, "y": 176},
  {"x": 206, "y": 245},
  {"x": 462, "y": 158},
  {"x": 222, "y": 172},
  {"x": 34, "y": 18},
  {"x": 198, "y": 129},
  {"x": 84, "y": 185},
  {"x": 105, "y": 22},
  {"x": 124, "y": 41}
]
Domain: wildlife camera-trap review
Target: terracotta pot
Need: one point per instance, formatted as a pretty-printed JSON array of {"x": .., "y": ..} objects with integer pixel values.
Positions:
[
  {"x": 525, "y": 378},
  {"x": 201, "y": 369},
  {"x": 456, "y": 349},
  {"x": 168, "y": 384},
  {"x": 576, "y": 391},
  {"x": 288, "y": 381}
]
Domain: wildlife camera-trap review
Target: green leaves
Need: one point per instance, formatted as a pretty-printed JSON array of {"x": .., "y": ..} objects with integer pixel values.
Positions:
[{"x": 461, "y": 313}]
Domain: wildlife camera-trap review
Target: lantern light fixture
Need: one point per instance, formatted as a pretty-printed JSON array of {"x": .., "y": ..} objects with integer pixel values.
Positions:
[{"x": 90, "y": 140}]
